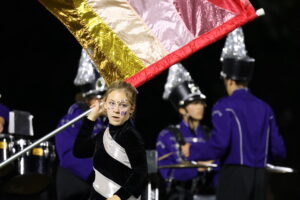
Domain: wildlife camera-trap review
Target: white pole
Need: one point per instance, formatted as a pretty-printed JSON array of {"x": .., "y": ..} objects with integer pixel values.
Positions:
[{"x": 46, "y": 137}]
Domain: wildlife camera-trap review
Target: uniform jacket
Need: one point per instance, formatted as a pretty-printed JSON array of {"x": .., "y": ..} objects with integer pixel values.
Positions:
[
  {"x": 245, "y": 132},
  {"x": 166, "y": 143},
  {"x": 65, "y": 141}
]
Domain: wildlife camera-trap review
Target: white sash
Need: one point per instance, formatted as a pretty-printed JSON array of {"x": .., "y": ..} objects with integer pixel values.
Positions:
[
  {"x": 102, "y": 184},
  {"x": 114, "y": 149}
]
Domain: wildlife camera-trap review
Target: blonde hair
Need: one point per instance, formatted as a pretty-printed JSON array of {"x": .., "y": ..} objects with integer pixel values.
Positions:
[{"x": 129, "y": 90}]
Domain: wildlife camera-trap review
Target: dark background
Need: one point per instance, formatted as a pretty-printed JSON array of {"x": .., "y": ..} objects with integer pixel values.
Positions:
[{"x": 39, "y": 61}]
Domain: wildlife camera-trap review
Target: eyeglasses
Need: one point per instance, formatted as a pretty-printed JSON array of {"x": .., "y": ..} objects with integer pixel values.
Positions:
[{"x": 122, "y": 105}]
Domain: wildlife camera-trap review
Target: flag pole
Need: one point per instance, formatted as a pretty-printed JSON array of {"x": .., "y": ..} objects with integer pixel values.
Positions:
[{"x": 46, "y": 137}]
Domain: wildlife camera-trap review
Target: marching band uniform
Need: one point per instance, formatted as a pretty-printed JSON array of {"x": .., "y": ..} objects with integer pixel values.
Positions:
[
  {"x": 167, "y": 143},
  {"x": 75, "y": 175},
  {"x": 4, "y": 113},
  {"x": 170, "y": 140},
  {"x": 72, "y": 168},
  {"x": 245, "y": 135},
  {"x": 235, "y": 119}
]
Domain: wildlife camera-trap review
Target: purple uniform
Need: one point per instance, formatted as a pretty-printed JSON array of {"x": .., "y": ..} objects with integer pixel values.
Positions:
[
  {"x": 245, "y": 133},
  {"x": 65, "y": 141},
  {"x": 166, "y": 143},
  {"x": 4, "y": 112}
]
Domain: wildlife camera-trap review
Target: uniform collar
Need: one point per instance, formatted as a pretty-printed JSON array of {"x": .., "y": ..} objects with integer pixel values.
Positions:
[
  {"x": 240, "y": 91},
  {"x": 184, "y": 125}
]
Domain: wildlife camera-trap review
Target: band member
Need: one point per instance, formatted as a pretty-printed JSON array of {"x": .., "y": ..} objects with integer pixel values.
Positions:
[
  {"x": 245, "y": 135},
  {"x": 189, "y": 101},
  {"x": 4, "y": 114},
  {"x": 74, "y": 175},
  {"x": 119, "y": 157}
]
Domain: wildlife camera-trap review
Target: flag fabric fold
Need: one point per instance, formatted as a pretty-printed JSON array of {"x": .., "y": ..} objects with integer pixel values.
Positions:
[{"x": 134, "y": 40}]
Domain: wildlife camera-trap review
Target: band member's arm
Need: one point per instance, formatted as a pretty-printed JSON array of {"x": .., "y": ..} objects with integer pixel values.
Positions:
[
  {"x": 166, "y": 145},
  {"x": 64, "y": 142},
  {"x": 217, "y": 144},
  {"x": 84, "y": 145},
  {"x": 277, "y": 147}
]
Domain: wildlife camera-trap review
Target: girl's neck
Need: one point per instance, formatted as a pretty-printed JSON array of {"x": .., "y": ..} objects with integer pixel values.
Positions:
[
  {"x": 114, "y": 127},
  {"x": 193, "y": 124}
]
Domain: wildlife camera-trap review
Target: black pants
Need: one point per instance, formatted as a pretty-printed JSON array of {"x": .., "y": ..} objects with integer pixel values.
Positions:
[
  {"x": 70, "y": 187},
  {"x": 242, "y": 183}
]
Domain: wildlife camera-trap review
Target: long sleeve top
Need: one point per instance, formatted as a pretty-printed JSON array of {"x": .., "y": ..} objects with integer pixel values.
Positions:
[
  {"x": 131, "y": 177},
  {"x": 64, "y": 142},
  {"x": 245, "y": 132}
]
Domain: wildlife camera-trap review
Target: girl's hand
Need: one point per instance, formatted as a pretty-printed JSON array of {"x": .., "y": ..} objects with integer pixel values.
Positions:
[
  {"x": 114, "y": 197},
  {"x": 98, "y": 110}
]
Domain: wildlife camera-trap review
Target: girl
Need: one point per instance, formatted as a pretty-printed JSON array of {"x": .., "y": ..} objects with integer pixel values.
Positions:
[{"x": 119, "y": 157}]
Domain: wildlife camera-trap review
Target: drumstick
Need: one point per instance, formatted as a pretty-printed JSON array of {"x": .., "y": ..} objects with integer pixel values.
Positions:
[
  {"x": 279, "y": 169},
  {"x": 165, "y": 156}
]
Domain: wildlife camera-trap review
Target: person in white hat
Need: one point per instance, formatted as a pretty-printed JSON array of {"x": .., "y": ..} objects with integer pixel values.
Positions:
[
  {"x": 75, "y": 175},
  {"x": 189, "y": 102},
  {"x": 245, "y": 135}
]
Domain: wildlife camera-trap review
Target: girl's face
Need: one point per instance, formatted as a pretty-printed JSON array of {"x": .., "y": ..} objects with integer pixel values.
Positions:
[
  {"x": 195, "y": 110},
  {"x": 117, "y": 107}
]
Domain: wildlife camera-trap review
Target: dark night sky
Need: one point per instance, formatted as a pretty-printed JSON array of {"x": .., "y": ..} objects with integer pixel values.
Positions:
[{"x": 39, "y": 60}]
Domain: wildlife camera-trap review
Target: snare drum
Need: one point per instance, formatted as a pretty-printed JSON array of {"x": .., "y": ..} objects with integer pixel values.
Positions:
[
  {"x": 23, "y": 161},
  {"x": 6, "y": 150},
  {"x": 42, "y": 159},
  {"x": 15, "y": 183},
  {"x": 34, "y": 168}
]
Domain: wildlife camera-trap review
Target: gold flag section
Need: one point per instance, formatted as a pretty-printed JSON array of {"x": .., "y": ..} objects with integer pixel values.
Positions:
[{"x": 112, "y": 57}]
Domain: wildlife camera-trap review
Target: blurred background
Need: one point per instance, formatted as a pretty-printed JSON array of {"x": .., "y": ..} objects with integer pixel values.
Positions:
[{"x": 39, "y": 60}]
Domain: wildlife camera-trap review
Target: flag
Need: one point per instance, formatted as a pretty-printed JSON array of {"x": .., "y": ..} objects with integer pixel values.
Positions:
[{"x": 134, "y": 40}]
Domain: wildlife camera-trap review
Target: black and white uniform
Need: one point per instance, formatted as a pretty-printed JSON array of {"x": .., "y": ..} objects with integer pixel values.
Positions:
[{"x": 119, "y": 160}]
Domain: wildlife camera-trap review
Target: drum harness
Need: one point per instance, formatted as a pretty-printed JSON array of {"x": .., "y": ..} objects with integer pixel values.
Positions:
[{"x": 179, "y": 139}]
